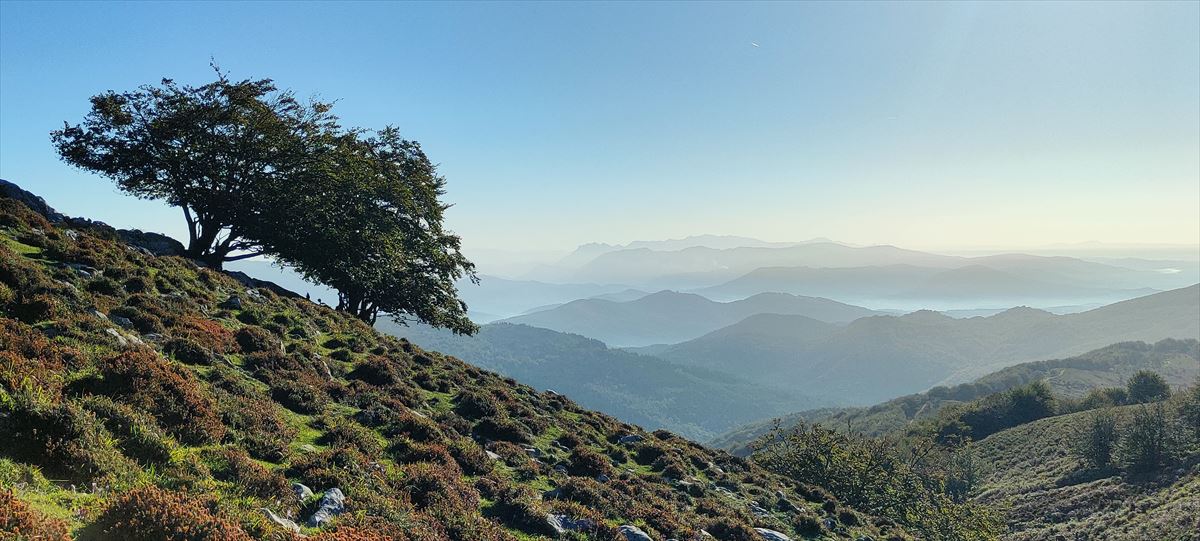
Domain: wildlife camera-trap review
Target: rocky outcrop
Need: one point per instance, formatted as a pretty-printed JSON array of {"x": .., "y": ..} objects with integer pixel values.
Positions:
[
  {"x": 8, "y": 189},
  {"x": 772, "y": 535}
]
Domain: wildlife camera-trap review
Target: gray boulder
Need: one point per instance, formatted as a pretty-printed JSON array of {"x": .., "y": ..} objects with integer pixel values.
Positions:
[
  {"x": 122, "y": 321},
  {"x": 633, "y": 533},
  {"x": 772, "y": 535},
  {"x": 333, "y": 503},
  {"x": 632, "y": 438},
  {"x": 561, "y": 524},
  {"x": 234, "y": 302}
]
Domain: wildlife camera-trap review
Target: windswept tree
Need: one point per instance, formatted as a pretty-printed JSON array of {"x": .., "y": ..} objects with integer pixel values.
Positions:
[
  {"x": 372, "y": 229},
  {"x": 257, "y": 171},
  {"x": 216, "y": 151}
]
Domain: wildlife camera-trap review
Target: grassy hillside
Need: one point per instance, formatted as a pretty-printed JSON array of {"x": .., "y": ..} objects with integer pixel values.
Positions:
[
  {"x": 1178, "y": 361},
  {"x": 144, "y": 397},
  {"x": 644, "y": 390},
  {"x": 1032, "y": 475}
]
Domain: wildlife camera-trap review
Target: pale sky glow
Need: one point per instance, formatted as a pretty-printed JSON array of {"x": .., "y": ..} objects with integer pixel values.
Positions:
[{"x": 923, "y": 125}]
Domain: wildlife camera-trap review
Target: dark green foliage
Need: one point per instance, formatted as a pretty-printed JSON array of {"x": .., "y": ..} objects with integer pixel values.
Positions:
[
  {"x": 253, "y": 339},
  {"x": 996, "y": 412},
  {"x": 1097, "y": 441},
  {"x": 1146, "y": 386},
  {"x": 171, "y": 394},
  {"x": 1149, "y": 441},
  {"x": 589, "y": 463}
]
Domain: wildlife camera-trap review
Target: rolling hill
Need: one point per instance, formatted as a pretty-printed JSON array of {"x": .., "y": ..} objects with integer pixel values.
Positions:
[
  {"x": 880, "y": 357},
  {"x": 668, "y": 316},
  {"x": 1178, "y": 361},
  {"x": 643, "y": 390}
]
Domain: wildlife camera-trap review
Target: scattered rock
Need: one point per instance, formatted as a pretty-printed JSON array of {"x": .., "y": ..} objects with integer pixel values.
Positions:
[
  {"x": 561, "y": 524},
  {"x": 772, "y": 535},
  {"x": 234, "y": 302},
  {"x": 332, "y": 504},
  {"x": 122, "y": 322},
  {"x": 301, "y": 491},
  {"x": 758, "y": 511},
  {"x": 633, "y": 533},
  {"x": 632, "y": 438},
  {"x": 152, "y": 243},
  {"x": 121, "y": 341},
  {"x": 551, "y": 494},
  {"x": 282, "y": 522},
  {"x": 829, "y": 523},
  {"x": 309, "y": 448},
  {"x": 97, "y": 314},
  {"x": 602, "y": 478},
  {"x": 492, "y": 455},
  {"x": 560, "y": 468}
]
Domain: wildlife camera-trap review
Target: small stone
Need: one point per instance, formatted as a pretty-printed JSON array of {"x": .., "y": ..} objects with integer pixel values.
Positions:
[
  {"x": 632, "y": 438},
  {"x": 121, "y": 341},
  {"x": 282, "y": 522},
  {"x": 234, "y": 302},
  {"x": 301, "y": 491},
  {"x": 492, "y": 455},
  {"x": 122, "y": 321}
]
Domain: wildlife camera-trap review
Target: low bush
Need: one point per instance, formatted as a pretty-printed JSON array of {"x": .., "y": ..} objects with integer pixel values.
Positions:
[
  {"x": 252, "y": 339},
  {"x": 19, "y": 522},
  {"x": 171, "y": 394},
  {"x": 153, "y": 514}
]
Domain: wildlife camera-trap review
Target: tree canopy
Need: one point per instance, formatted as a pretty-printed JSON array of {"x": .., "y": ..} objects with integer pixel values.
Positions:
[{"x": 258, "y": 172}]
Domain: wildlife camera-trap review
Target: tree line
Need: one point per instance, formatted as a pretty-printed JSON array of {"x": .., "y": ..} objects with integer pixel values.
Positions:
[{"x": 259, "y": 172}]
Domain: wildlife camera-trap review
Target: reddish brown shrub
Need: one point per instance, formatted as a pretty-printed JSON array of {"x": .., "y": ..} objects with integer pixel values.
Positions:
[
  {"x": 207, "y": 333},
  {"x": 589, "y": 463},
  {"x": 18, "y": 521},
  {"x": 438, "y": 486},
  {"x": 170, "y": 393},
  {"x": 153, "y": 514}
]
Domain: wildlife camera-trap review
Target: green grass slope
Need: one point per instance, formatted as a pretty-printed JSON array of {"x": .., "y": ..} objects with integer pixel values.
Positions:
[
  {"x": 1033, "y": 478},
  {"x": 144, "y": 397}
]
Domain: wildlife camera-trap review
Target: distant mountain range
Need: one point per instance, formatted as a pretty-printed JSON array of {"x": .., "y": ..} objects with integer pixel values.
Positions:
[
  {"x": 668, "y": 317},
  {"x": 644, "y": 390},
  {"x": 879, "y": 357},
  {"x": 1178, "y": 361}
]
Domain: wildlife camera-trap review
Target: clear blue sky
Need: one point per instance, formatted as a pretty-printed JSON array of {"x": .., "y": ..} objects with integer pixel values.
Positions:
[{"x": 923, "y": 124}]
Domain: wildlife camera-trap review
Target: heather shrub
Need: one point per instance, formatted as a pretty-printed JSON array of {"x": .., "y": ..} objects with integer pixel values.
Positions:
[
  {"x": 342, "y": 432},
  {"x": 63, "y": 438},
  {"x": 137, "y": 434},
  {"x": 300, "y": 392},
  {"x": 438, "y": 485},
  {"x": 145, "y": 322},
  {"x": 589, "y": 463},
  {"x": 470, "y": 456},
  {"x": 153, "y": 514},
  {"x": 188, "y": 351},
  {"x": 252, "y": 339},
  {"x": 170, "y": 393},
  {"x": 19, "y": 522},
  {"x": 248, "y": 476},
  {"x": 502, "y": 429}
]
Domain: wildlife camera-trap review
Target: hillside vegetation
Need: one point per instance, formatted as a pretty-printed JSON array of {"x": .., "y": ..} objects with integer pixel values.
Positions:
[
  {"x": 1178, "y": 361},
  {"x": 1032, "y": 474},
  {"x": 146, "y": 397}
]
